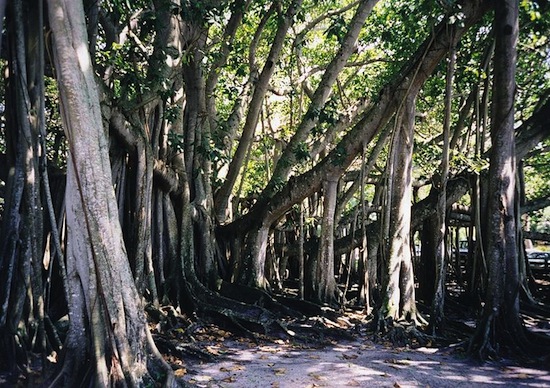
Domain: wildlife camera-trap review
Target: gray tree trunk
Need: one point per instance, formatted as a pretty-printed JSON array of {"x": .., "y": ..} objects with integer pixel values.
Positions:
[
  {"x": 107, "y": 321},
  {"x": 399, "y": 295},
  {"x": 500, "y": 323},
  {"x": 326, "y": 290},
  {"x": 441, "y": 214}
]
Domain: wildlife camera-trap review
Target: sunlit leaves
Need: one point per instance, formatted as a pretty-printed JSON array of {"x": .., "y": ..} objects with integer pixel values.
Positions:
[
  {"x": 337, "y": 29},
  {"x": 537, "y": 172},
  {"x": 531, "y": 8},
  {"x": 301, "y": 152},
  {"x": 537, "y": 184},
  {"x": 176, "y": 141}
]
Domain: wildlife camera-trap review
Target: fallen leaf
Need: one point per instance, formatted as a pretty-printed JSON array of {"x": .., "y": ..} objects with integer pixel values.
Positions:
[
  {"x": 316, "y": 376},
  {"x": 396, "y": 361},
  {"x": 353, "y": 383},
  {"x": 349, "y": 357},
  {"x": 275, "y": 384},
  {"x": 180, "y": 372},
  {"x": 279, "y": 371},
  {"x": 229, "y": 379},
  {"x": 396, "y": 385},
  {"x": 522, "y": 376}
]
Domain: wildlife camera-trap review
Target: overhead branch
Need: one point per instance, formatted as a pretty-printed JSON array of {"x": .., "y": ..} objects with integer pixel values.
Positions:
[
  {"x": 260, "y": 90},
  {"x": 408, "y": 80}
]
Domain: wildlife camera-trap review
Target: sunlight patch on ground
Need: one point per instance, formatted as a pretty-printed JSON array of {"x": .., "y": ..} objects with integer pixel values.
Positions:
[{"x": 356, "y": 364}]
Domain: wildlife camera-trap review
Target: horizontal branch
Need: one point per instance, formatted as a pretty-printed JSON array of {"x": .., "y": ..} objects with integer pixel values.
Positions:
[{"x": 408, "y": 80}]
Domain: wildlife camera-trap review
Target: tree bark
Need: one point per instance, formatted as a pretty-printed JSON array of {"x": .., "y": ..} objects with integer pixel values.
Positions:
[
  {"x": 441, "y": 215},
  {"x": 399, "y": 296},
  {"x": 325, "y": 283},
  {"x": 107, "y": 320},
  {"x": 500, "y": 323},
  {"x": 260, "y": 90}
]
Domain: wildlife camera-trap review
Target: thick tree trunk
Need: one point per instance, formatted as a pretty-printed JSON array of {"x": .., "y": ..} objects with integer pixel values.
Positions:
[
  {"x": 196, "y": 133},
  {"x": 107, "y": 320},
  {"x": 325, "y": 288},
  {"x": 252, "y": 268},
  {"x": 399, "y": 294},
  {"x": 501, "y": 323}
]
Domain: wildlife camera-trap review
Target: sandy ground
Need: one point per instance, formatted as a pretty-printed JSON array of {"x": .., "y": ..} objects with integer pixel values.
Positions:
[{"x": 351, "y": 364}]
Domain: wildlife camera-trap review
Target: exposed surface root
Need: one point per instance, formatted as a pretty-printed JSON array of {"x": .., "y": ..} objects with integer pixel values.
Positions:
[{"x": 400, "y": 334}]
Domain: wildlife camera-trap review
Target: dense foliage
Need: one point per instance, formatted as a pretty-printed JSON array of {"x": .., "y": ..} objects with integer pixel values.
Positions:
[{"x": 267, "y": 158}]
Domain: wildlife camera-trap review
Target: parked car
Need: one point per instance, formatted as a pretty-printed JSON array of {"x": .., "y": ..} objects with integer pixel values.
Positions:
[
  {"x": 463, "y": 248},
  {"x": 539, "y": 260}
]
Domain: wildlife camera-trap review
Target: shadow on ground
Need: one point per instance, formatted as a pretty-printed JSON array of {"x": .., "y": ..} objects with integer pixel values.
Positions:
[{"x": 353, "y": 364}]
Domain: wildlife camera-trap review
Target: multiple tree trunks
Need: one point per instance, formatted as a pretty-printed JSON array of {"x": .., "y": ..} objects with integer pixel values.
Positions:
[
  {"x": 501, "y": 322},
  {"x": 148, "y": 212},
  {"x": 399, "y": 295},
  {"x": 107, "y": 319}
]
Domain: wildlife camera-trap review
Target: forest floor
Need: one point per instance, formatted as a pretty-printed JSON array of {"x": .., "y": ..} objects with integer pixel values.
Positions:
[
  {"x": 364, "y": 361},
  {"x": 348, "y": 354},
  {"x": 358, "y": 363}
]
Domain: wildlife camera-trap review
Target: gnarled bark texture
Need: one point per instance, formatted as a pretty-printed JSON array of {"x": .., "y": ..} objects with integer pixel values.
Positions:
[
  {"x": 108, "y": 332},
  {"x": 500, "y": 323},
  {"x": 399, "y": 295}
]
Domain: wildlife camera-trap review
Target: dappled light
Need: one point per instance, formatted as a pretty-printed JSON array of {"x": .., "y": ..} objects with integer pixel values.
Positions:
[
  {"x": 294, "y": 193},
  {"x": 355, "y": 364}
]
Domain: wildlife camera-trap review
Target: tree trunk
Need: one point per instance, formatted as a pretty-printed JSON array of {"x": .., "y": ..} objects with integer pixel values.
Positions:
[
  {"x": 196, "y": 132},
  {"x": 364, "y": 297},
  {"x": 325, "y": 288},
  {"x": 441, "y": 215},
  {"x": 500, "y": 323},
  {"x": 107, "y": 320},
  {"x": 22, "y": 305},
  {"x": 426, "y": 269},
  {"x": 399, "y": 294},
  {"x": 252, "y": 268}
]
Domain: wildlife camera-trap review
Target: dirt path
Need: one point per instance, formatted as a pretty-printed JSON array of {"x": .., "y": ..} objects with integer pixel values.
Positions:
[{"x": 351, "y": 364}]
